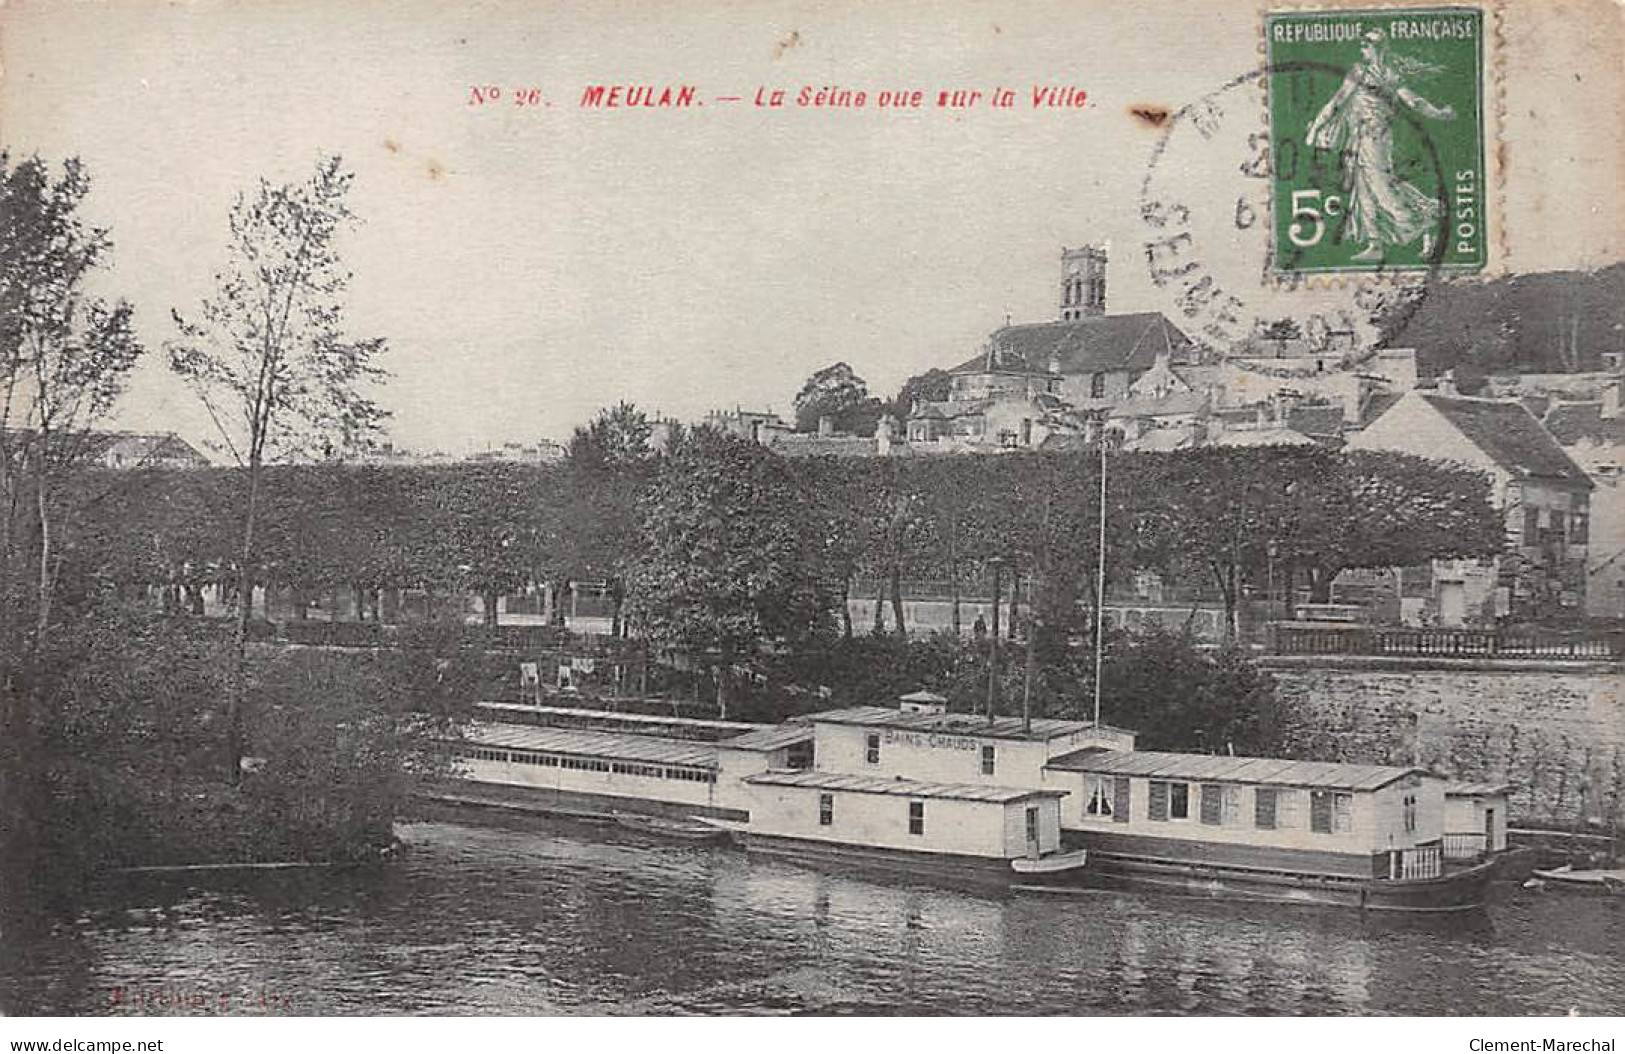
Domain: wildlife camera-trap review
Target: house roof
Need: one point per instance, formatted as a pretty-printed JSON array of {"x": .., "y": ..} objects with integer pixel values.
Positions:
[
  {"x": 1173, "y": 404},
  {"x": 899, "y": 787},
  {"x": 1316, "y": 420},
  {"x": 1088, "y": 345},
  {"x": 1509, "y": 434},
  {"x": 1377, "y": 405},
  {"x": 1250, "y": 437},
  {"x": 132, "y": 449},
  {"x": 617, "y": 745},
  {"x": 1043, "y": 728},
  {"x": 1160, "y": 440},
  {"x": 1570, "y": 423},
  {"x": 1221, "y": 768}
]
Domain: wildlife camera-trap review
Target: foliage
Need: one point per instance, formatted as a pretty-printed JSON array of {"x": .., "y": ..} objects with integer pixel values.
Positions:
[
  {"x": 267, "y": 353},
  {"x": 1179, "y": 698},
  {"x": 1174, "y": 695},
  {"x": 932, "y": 386},
  {"x": 268, "y": 356},
  {"x": 618, "y": 437},
  {"x": 726, "y": 564},
  {"x": 838, "y": 393},
  {"x": 64, "y": 358}
]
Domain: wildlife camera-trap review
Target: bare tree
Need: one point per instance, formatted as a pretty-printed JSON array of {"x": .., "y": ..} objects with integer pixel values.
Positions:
[{"x": 269, "y": 360}]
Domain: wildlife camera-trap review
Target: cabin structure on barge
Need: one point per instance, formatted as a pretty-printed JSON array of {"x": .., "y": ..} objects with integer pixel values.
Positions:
[
  {"x": 920, "y": 788},
  {"x": 1367, "y": 835},
  {"x": 596, "y": 763}
]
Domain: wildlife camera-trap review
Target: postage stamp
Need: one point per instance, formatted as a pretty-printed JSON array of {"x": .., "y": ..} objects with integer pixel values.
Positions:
[{"x": 1377, "y": 129}]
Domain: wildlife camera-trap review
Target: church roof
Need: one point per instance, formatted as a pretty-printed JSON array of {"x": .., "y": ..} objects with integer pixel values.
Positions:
[{"x": 1088, "y": 345}]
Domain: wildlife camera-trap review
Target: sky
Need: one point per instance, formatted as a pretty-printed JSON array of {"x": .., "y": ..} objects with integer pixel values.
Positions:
[{"x": 529, "y": 265}]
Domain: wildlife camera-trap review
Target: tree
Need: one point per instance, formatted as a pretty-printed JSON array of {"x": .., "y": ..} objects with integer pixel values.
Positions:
[
  {"x": 932, "y": 386},
  {"x": 618, "y": 437},
  {"x": 268, "y": 357},
  {"x": 1178, "y": 698},
  {"x": 727, "y": 566},
  {"x": 838, "y": 393},
  {"x": 64, "y": 359}
]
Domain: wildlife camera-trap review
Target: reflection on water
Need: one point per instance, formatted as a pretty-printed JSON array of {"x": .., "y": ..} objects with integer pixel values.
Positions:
[{"x": 532, "y": 919}]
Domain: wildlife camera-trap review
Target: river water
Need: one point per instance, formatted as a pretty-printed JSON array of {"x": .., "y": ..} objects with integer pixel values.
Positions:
[{"x": 532, "y": 918}]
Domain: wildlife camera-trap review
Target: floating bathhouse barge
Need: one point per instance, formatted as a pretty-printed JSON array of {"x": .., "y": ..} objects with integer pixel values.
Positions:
[
  {"x": 1042, "y": 802},
  {"x": 1371, "y": 836}
]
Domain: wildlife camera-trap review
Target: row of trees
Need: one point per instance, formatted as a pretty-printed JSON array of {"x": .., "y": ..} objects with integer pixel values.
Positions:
[{"x": 720, "y": 543}]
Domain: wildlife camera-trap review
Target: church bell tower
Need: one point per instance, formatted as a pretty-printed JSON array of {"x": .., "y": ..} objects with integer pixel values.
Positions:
[{"x": 1083, "y": 282}]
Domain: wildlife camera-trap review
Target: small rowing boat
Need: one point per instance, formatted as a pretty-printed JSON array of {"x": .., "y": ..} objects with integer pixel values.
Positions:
[
  {"x": 1594, "y": 880},
  {"x": 1050, "y": 863},
  {"x": 695, "y": 830}
]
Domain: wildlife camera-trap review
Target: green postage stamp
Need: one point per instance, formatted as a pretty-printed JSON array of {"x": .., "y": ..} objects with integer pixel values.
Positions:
[{"x": 1377, "y": 136}]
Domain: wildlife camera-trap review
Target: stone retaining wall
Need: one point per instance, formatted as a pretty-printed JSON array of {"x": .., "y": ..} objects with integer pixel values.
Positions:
[{"x": 1558, "y": 734}]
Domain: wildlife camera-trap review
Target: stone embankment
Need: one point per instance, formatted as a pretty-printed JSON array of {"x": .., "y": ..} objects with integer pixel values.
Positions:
[{"x": 1556, "y": 730}]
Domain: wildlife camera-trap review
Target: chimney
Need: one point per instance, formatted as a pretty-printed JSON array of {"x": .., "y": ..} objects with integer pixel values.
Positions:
[
  {"x": 1354, "y": 391},
  {"x": 826, "y": 425},
  {"x": 1610, "y": 400},
  {"x": 885, "y": 433}
]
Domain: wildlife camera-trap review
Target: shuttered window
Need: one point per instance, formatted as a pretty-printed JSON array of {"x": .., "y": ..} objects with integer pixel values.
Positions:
[
  {"x": 1120, "y": 800},
  {"x": 1159, "y": 800},
  {"x": 1320, "y": 812},
  {"x": 1212, "y": 804},
  {"x": 1264, "y": 807}
]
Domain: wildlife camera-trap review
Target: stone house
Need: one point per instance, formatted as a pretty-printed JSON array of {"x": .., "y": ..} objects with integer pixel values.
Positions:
[{"x": 1544, "y": 495}]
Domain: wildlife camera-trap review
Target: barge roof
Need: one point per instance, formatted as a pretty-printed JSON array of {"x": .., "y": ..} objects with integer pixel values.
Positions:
[
  {"x": 899, "y": 787},
  {"x": 617, "y": 745},
  {"x": 1336, "y": 775},
  {"x": 771, "y": 738},
  {"x": 1043, "y": 728}
]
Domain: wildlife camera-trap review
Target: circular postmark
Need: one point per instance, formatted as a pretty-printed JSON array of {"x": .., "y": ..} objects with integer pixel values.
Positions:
[{"x": 1214, "y": 227}]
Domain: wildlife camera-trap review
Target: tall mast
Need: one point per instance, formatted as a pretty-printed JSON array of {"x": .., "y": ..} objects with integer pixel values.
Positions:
[{"x": 1100, "y": 577}]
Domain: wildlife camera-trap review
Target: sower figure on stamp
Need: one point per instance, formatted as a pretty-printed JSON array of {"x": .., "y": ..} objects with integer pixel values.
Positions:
[{"x": 1358, "y": 122}]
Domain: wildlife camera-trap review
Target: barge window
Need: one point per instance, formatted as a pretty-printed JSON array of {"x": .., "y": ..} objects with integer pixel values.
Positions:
[
  {"x": 1410, "y": 814},
  {"x": 1264, "y": 807},
  {"x": 987, "y": 761},
  {"x": 1331, "y": 812},
  {"x": 1179, "y": 801},
  {"x": 871, "y": 752},
  {"x": 826, "y": 810},
  {"x": 916, "y": 817},
  {"x": 1100, "y": 798},
  {"x": 1170, "y": 800},
  {"x": 1212, "y": 804},
  {"x": 1120, "y": 800},
  {"x": 1032, "y": 823}
]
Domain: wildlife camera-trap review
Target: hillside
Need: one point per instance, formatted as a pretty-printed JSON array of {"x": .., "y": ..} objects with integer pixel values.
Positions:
[{"x": 1554, "y": 322}]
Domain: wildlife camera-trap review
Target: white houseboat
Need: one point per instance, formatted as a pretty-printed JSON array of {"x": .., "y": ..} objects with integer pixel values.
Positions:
[
  {"x": 919, "y": 788},
  {"x": 579, "y": 763},
  {"x": 1043, "y": 802},
  {"x": 1371, "y": 836}
]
